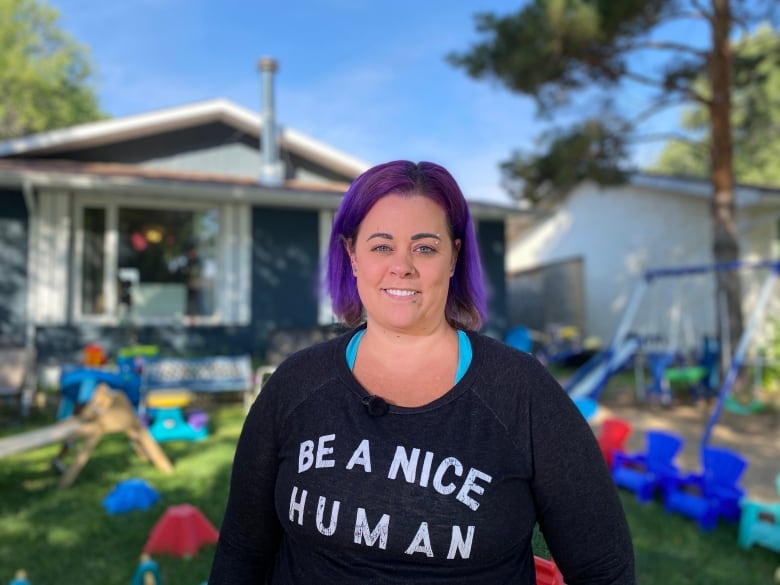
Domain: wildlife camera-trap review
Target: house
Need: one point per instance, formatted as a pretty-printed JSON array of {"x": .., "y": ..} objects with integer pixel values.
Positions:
[
  {"x": 579, "y": 263},
  {"x": 200, "y": 228}
]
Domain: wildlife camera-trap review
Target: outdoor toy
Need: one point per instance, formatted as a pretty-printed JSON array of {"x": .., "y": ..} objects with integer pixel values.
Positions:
[
  {"x": 166, "y": 415},
  {"x": 591, "y": 379},
  {"x": 147, "y": 573},
  {"x": 613, "y": 435},
  {"x": 130, "y": 494},
  {"x": 181, "y": 532},
  {"x": 644, "y": 473},
  {"x": 94, "y": 355},
  {"x": 77, "y": 386},
  {"x": 131, "y": 359},
  {"x": 713, "y": 493},
  {"x": 760, "y": 523},
  {"x": 547, "y": 572},
  {"x": 106, "y": 412},
  {"x": 20, "y": 578}
]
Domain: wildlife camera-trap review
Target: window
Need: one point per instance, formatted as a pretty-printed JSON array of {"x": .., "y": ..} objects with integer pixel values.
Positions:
[
  {"x": 167, "y": 262},
  {"x": 149, "y": 263}
]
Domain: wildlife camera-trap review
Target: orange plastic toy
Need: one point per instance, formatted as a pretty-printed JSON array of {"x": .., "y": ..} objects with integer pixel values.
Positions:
[{"x": 94, "y": 355}]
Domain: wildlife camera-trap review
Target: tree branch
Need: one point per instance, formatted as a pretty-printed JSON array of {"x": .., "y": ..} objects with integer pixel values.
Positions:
[
  {"x": 668, "y": 46},
  {"x": 671, "y": 137},
  {"x": 658, "y": 106},
  {"x": 709, "y": 15},
  {"x": 688, "y": 91}
]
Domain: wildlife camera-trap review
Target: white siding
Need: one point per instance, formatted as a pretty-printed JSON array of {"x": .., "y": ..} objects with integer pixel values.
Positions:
[
  {"x": 50, "y": 279},
  {"x": 622, "y": 231}
]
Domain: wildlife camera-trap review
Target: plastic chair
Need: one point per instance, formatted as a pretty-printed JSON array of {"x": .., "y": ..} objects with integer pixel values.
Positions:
[
  {"x": 712, "y": 494},
  {"x": 760, "y": 523},
  {"x": 613, "y": 435},
  {"x": 644, "y": 473}
]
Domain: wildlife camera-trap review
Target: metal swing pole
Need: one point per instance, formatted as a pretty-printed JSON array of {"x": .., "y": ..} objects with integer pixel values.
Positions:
[{"x": 739, "y": 355}]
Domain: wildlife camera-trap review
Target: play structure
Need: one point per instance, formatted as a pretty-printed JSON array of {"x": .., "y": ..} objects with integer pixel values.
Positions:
[
  {"x": 590, "y": 380},
  {"x": 106, "y": 412}
]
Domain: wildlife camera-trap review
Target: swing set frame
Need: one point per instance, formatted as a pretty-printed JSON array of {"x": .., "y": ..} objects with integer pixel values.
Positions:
[{"x": 623, "y": 333}]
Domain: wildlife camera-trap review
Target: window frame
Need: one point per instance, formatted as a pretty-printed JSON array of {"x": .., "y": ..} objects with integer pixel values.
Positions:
[{"x": 229, "y": 269}]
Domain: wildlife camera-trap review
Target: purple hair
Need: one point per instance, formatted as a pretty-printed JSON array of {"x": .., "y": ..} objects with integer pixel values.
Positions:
[{"x": 466, "y": 300}]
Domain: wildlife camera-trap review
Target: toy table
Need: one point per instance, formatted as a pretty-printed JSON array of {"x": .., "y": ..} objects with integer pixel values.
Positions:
[{"x": 166, "y": 412}]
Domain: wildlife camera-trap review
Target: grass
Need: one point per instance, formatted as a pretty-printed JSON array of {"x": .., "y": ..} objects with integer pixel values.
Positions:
[{"x": 65, "y": 536}]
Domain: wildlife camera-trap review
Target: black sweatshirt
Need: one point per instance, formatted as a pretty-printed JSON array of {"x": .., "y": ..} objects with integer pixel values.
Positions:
[{"x": 325, "y": 490}]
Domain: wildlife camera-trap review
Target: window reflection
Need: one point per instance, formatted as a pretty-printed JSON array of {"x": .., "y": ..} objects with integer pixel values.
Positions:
[{"x": 167, "y": 262}]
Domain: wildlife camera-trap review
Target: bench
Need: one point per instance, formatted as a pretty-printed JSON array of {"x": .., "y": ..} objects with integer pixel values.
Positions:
[
  {"x": 202, "y": 374},
  {"x": 284, "y": 342}
]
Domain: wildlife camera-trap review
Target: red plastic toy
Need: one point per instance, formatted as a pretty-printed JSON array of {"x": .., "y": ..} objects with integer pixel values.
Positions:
[
  {"x": 181, "y": 532},
  {"x": 547, "y": 572},
  {"x": 614, "y": 432}
]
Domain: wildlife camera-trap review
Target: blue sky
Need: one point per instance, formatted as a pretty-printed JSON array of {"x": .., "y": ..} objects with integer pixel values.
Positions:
[{"x": 368, "y": 77}]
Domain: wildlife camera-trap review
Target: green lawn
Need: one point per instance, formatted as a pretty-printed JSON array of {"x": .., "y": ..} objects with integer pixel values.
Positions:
[{"x": 66, "y": 537}]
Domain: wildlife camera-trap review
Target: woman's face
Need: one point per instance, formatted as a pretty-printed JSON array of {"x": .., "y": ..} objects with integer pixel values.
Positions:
[{"x": 403, "y": 258}]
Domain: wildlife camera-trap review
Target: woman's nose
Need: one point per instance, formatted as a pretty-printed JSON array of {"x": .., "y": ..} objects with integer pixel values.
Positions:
[{"x": 403, "y": 264}]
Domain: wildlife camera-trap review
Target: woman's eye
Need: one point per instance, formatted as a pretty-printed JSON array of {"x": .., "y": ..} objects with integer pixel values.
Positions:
[
  {"x": 381, "y": 248},
  {"x": 426, "y": 249}
]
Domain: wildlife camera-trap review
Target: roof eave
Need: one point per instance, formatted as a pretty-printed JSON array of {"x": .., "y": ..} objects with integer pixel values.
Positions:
[{"x": 118, "y": 186}]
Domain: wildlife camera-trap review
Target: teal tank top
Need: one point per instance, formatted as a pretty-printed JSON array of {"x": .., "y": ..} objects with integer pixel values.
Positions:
[{"x": 464, "y": 352}]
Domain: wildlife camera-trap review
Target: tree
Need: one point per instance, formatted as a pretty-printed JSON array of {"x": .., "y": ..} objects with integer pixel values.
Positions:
[
  {"x": 45, "y": 76},
  {"x": 559, "y": 50},
  {"x": 755, "y": 118}
]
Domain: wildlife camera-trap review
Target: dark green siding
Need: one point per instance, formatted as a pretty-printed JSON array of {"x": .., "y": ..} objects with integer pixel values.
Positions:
[
  {"x": 285, "y": 270},
  {"x": 492, "y": 249}
]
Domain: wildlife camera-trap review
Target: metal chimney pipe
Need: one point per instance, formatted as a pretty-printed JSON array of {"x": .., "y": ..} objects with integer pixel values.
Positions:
[{"x": 271, "y": 167}]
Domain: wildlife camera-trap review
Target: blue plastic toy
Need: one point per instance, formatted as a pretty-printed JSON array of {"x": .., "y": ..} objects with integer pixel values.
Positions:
[
  {"x": 146, "y": 568},
  {"x": 130, "y": 494},
  {"x": 645, "y": 472},
  {"x": 78, "y": 385},
  {"x": 20, "y": 578},
  {"x": 712, "y": 494}
]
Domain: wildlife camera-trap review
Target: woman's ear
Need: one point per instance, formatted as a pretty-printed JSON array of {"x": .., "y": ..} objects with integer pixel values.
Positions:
[
  {"x": 455, "y": 253},
  {"x": 351, "y": 253}
]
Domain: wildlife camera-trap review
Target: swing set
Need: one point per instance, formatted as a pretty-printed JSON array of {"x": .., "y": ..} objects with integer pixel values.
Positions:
[{"x": 590, "y": 380}]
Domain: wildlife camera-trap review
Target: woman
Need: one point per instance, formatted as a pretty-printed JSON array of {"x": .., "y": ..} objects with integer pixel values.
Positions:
[{"x": 412, "y": 449}]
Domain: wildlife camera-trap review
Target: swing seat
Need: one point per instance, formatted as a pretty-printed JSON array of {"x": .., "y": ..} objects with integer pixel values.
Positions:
[
  {"x": 690, "y": 375},
  {"x": 659, "y": 364}
]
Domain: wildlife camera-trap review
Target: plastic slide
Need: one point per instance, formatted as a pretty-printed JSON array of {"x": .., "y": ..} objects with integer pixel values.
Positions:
[{"x": 596, "y": 372}]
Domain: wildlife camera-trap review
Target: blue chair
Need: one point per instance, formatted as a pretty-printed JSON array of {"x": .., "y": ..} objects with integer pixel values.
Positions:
[
  {"x": 645, "y": 473},
  {"x": 712, "y": 494}
]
